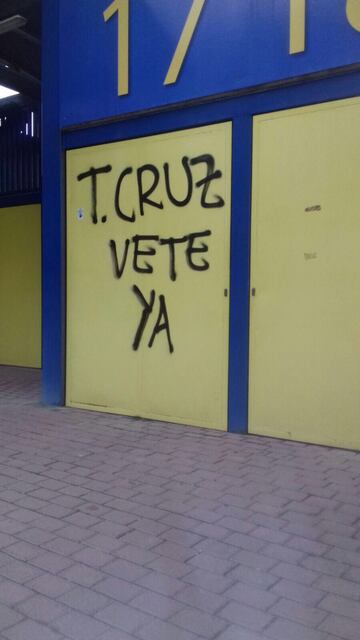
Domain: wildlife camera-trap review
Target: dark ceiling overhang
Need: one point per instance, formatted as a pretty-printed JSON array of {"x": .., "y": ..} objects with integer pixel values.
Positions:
[{"x": 20, "y": 51}]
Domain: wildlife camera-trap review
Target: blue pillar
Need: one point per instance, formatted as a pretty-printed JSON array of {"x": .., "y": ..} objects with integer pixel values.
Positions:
[{"x": 53, "y": 240}]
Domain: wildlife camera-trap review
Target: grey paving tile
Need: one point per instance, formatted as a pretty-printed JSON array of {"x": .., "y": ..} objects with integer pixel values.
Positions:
[
  {"x": 298, "y": 592},
  {"x": 284, "y": 629},
  {"x": 31, "y": 630},
  {"x": 84, "y": 600},
  {"x": 82, "y": 574},
  {"x": 8, "y": 617},
  {"x": 80, "y": 626},
  {"x": 118, "y": 589},
  {"x": 19, "y": 571},
  {"x": 341, "y": 627},
  {"x": 157, "y": 605},
  {"x": 160, "y": 630},
  {"x": 199, "y": 622},
  {"x": 209, "y": 581},
  {"x": 42, "y": 609},
  {"x": 11, "y": 593},
  {"x": 252, "y": 596},
  {"x": 247, "y": 616},
  {"x": 160, "y": 583},
  {"x": 201, "y": 599},
  {"x": 308, "y": 616},
  {"x": 124, "y": 617},
  {"x": 49, "y": 585},
  {"x": 177, "y": 528}
]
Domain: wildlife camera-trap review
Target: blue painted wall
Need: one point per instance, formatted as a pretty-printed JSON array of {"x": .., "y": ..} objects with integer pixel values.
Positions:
[
  {"x": 237, "y": 44},
  {"x": 241, "y": 112}
]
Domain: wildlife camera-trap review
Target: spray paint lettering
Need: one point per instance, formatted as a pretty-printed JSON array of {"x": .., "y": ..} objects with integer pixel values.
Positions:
[{"x": 137, "y": 252}]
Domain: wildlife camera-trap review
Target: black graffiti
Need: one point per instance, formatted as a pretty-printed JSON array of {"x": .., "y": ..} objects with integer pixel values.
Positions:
[
  {"x": 190, "y": 250},
  {"x": 147, "y": 310},
  {"x": 149, "y": 174},
  {"x": 118, "y": 268},
  {"x": 148, "y": 251},
  {"x": 161, "y": 324},
  {"x": 202, "y": 249},
  {"x": 187, "y": 199},
  {"x": 171, "y": 242},
  {"x": 118, "y": 210},
  {"x": 211, "y": 175},
  {"x": 144, "y": 195},
  {"x": 93, "y": 173}
]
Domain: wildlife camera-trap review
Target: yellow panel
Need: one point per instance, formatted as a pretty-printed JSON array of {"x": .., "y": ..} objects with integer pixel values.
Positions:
[
  {"x": 104, "y": 370},
  {"x": 305, "y": 268},
  {"x": 20, "y": 286}
]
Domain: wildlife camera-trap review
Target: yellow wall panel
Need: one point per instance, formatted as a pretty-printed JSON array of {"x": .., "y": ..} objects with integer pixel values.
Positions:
[
  {"x": 169, "y": 288},
  {"x": 20, "y": 286},
  {"x": 305, "y": 269}
]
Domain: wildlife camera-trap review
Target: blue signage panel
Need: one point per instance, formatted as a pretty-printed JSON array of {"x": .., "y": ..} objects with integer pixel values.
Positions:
[{"x": 129, "y": 55}]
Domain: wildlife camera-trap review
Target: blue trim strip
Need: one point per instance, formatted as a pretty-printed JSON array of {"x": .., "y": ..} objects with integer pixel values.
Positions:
[
  {"x": 240, "y": 111},
  {"x": 53, "y": 246},
  {"x": 19, "y": 199}
]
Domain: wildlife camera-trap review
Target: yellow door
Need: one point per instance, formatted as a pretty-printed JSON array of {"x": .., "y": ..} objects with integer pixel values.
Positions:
[
  {"x": 148, "y": 226},
  {"x": 20, "y": 286},
  {"x": 305, "y": 275}
]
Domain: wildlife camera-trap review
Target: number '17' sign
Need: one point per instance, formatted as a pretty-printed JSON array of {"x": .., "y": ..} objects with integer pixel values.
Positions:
[{"x": 297, "y": 35}]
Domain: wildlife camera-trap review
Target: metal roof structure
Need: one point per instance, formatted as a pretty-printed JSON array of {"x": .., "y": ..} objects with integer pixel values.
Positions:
[{"x": 20, "y": 50}]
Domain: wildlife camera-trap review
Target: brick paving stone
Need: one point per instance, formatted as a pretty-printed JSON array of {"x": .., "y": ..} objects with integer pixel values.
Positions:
[
  {"x": 19, "y": 571},
  {"x": 123, "y": 529},
  {"x": 208, "y": 580},
  {"x": 298, "y": 592},
  {"x": 239, "y": 633},
  {"x": 238, "y": 613},
  {"x": 249, "y": 595},
  {"x": 199, "y": 622},
  {"x": 245, "y": 542},
  {"x": 41, "y": 609},
  {"x": 156, "y": 604},
  {"x": 341, "y": 627},
  {"x": 341, "y": 606},
  {"x": 285, "y": 630},
  {"x": 159, "y": 630},
  {"x": 11, "y": 593},
  {"x": 308, "y": 616},
  {"x": 49, "y": 585},
  {"x": 201, "y": 599},
  {"x": 23, "y": 551},
  {"x": 30, "y": 630},
  {"x": 339, "y": 586},
  {"x": 125, "y": 570},
  {"x": 211, "y": 563},
  {"x": 161, "y": 583},
  {"x": 82, "y": 574},
  {"x": 51, "y": 562},
  {"x": 84, "y": 600},
  {"x": 115, "y": 634},
  {"x": 118, "y": 589},
  {"x": 80, "y": 626},
  {"x": 296, "y": 574},
  {"x": 8, "y": 617},
  {"x": 95, "y": 558},
  {"x": 323, "y": 565},
  {"x": 124, "y": 617}
]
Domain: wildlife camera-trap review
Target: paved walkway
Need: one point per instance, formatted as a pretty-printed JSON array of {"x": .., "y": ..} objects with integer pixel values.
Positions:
[{"x": 113, "y": 528}]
